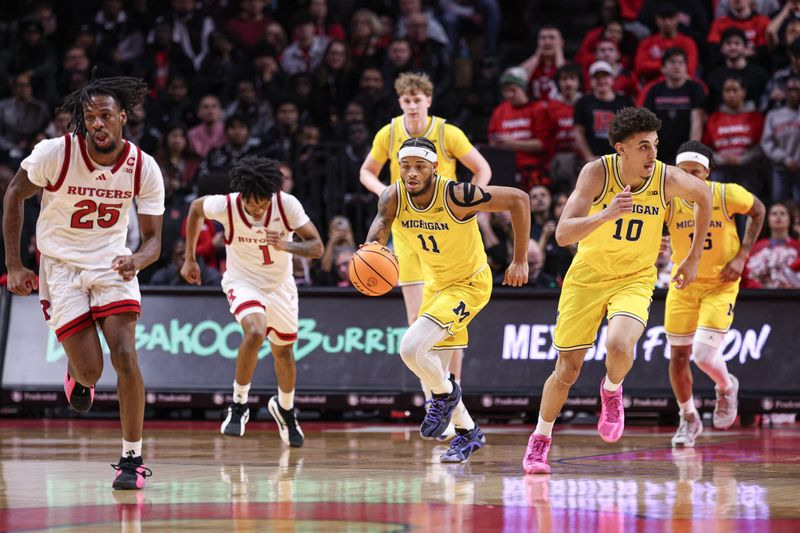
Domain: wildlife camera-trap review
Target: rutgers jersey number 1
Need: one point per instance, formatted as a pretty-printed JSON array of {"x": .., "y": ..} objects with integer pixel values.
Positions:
[{"x": 265, "y": 251}]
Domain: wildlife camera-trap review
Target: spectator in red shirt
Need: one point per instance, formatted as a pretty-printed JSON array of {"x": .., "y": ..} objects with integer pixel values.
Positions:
[
  {"x": 246, "y": 29},
  {"x": 740, "y": 15},
  {"x": 774, "y": 262},
  {"x": 544, "y": 62},
  {"x": 734, "y": 134},
  {"x": 325, "y": 26},
  {"x": 651, "y": 50},
  {"x": 559, "y": 114},
  {"x": 625, "y": 81},
  {"x": 610, "y": 31},
  {"x": 516, "y": 125}
]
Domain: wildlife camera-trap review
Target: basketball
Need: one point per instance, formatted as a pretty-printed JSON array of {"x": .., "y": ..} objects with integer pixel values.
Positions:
[{"x": 373, "y": 270}]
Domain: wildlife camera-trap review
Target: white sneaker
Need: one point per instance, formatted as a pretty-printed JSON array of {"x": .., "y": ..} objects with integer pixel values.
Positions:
[
  {"x": 727, "y": 405},
  {"x": 689, "y": 429},
  {"x": 288, "y": 427}
]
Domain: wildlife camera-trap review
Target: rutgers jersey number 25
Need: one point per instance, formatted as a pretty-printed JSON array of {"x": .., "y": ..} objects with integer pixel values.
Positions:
[{"x": 107, "y": 214}]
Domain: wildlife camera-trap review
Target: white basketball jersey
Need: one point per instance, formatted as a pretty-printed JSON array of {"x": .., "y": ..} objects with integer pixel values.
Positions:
[
  {"x": 84, "y": 215},
  {"x": 249, "y": 258}
]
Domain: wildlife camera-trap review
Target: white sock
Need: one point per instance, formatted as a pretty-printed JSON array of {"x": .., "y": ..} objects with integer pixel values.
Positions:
[
  {"x": 688, "y": 406},
  {"x": 426, "y": 390},
  {"x": 240, "y": 392},
  {"x": 544, "y": 428},
  {"x": 446, "y": 387},
  {"x": 610, "y": 386},
  {"x": 286, "y": 399},
  {"x": 131, "y": 449},
  {"x": 461, "y": 418},
  {"x": 458, "y": 380}
]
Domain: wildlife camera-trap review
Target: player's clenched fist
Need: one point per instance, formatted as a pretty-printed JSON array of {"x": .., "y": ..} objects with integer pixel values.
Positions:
[
  {"x": 21, "y": 281},
  {"x": 190, "y": 271},
  {"x": 621, "y": 204}
]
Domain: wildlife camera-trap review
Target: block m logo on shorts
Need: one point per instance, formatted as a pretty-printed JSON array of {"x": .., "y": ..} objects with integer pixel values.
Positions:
[{"x": 461, "y": 311}]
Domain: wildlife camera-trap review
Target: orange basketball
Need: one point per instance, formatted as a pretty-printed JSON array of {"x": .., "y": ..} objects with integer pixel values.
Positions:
[{"x": 373, "y": 270}]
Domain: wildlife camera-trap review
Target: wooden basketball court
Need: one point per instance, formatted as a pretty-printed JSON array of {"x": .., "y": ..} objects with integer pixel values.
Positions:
[{"x": 348, "y": 477}]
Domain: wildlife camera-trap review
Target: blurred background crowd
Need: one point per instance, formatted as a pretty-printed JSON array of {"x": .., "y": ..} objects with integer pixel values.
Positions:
[{"x": 532, "y": 83}]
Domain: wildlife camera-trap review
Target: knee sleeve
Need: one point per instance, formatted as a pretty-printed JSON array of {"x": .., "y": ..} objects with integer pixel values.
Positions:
[
  {"x": 706, "y": 345},
  {"x": 680, "y": 340},
  {"x": 415, "y": 349}
]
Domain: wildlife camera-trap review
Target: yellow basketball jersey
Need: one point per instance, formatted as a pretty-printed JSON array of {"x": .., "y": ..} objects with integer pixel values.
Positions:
[
  {"x": 722, "y": 241},
  {"x": 442, "y": 135},
  {"x": 629, "y": 244},
  {"x": 449, "y": 250}
]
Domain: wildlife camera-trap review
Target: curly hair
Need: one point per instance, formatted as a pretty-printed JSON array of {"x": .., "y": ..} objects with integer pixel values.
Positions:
[
  {"x": 411, "y": 82},
  {"x": 629, "y": 121},
  {"x": 700, "y": 148},
  {"x": 256, "y": 177},
  {"x": 126, "y": 91}
]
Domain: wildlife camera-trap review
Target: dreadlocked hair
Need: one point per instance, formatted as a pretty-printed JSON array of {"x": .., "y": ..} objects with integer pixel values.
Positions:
[
  {"x": 127, "y": 91},
  {"x": 256, "y": 177}
]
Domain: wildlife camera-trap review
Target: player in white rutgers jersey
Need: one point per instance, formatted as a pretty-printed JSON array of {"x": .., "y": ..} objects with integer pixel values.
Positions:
[
  {"x": 259, "y": 222},
  {"x": 89, "y": 178}
]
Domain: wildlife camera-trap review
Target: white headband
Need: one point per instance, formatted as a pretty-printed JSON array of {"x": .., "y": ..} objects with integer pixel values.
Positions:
[
  {"x": 417, "y": 151},
  {"x": 693, "y": 157}
]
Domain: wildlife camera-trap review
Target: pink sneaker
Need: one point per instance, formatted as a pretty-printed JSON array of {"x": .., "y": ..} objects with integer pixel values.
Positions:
[
  {"x": 80, "y": 398},
  {"x": 535, "y": 461},
  {"x": 612, "y": 415}
]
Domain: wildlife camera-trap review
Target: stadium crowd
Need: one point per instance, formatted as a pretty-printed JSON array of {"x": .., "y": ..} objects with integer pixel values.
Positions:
[{"x": 533, "y": 84}]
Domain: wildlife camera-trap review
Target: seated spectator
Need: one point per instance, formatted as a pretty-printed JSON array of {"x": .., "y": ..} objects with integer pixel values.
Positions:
[
  {"x": 374, "y": 98},
  {"x": 334, "y": 83},
  {"x": 365, "y": 38},
  {"x": 161, "y": 60},
  {"x": 176, "y": 158},
  {"x": 431, "y": 57},
  {"x": 325, "y": 25},
  {"x": 774, "y": 262},
  {"x": 693, "y": 17},
  {"x": 173, "y": 105},
  {"x": 537, "y": 278},
  {"x": 140, "y": 131},
  {"x": 498, "y": 239},
  {"x": 397, "y": 60},
  {"x": 679, "y": 102},
  {"x": 781, "y": 144},
  {"x": 22, "y": 117},
  {"x": 516, "y": 125},
  {"x": 541, "y": 202},
  {"x": 275, "y": 36},
  {"x": 281, "y": 142},
  {"x": 247, "y": 27},
  {"x": 191, "y": 28},
  {"x": 763, "y": 7},
  {"x": 212, "y": 178},
  {"x": 594, "y": 111},
  {"x": 305, "y": 52},
  {"x": 650, "y": 53},
  {"x": 734, "y": 134},
  {"x": 210, "y": 133},
  {"x": 170, "y": 275},
  {"x": 31, "y": 54},
  {"x": 664, "y": 265},
  {"x": 59, "y": 126},
  {"x": 775, "y": 93},
  {"x": 625, "y": 82},
  {"x": 783, "y": 29},
  {"x": 542, "y": 65},
  {"x": 480, "y": 16},
  {"x": 410, "y": 9},
  {"x": 119, "y": 36},
  {"x": 340, "y": 236},
  {"x": 559, "y": 112},
  {"x": 258, "y": 113},
  {"x": 76, "y": 65},
  {"x": 611, "y": 31},
  {"x": 342, "y": 259},
  {"x": 741, "y": 15},
  {"x": 218, "y": 69},
  {"x": 301, "y": 271},
  {"x": 557, "y": 259},
  {"x": 265, "y": 71},
  {"x": 753, "y": 77}
]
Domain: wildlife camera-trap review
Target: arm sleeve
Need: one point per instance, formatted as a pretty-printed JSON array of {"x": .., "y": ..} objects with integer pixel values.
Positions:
[
  {"x": 738, "y": 200},
  {"x": 380, "y": 145},
  {"x": 150, "y": 200},
  {"x": 43, "y": 165},
  {"x": 456, "y": 142},
  {"x": 295, "y": 214},
  {"x": 216, "y": 207}
]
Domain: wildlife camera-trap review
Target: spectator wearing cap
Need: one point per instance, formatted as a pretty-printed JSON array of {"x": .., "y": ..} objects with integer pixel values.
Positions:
[
  {"x": 31, "y": 54},
  {"x": 781, "y": 144},
  {"x": 518, "y": 125},
  {"x": 775, "y": 93},
  {"x": 753, "y": 77},
  {"x": 22, "y": 117},
  {"x": 650, "y": 53},
  {"x": 594, "y": 111},
  {"x": 625, "y": 81},
  {"x": 306, "y": 51},
  {"x": 679, "y": 102},
  {"x": 741, "y": 15},
  {"x": 247, "y": 27}
]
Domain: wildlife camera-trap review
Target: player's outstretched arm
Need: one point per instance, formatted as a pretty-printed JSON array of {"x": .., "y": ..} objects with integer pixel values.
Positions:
[
  {"x": 21, "y": 280},
  {"x": 755, "y": 220},
  {"x": 680, "y": 184},
  {"x": 311, "y": 246},
  {"x": 574, "y": 223},
  {"x": 466, "y": 199},
  {"x": 194, "y": 224},
  {"x": 382, "y": 224}
]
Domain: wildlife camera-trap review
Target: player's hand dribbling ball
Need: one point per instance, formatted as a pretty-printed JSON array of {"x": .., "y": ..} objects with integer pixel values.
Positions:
[{"x": 373, "y": 269}]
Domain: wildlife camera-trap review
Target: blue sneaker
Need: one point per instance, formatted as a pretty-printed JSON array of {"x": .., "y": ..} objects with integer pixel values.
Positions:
[
  {"x": 465, "y": 444},
  {"x": 440, "y": 409}
]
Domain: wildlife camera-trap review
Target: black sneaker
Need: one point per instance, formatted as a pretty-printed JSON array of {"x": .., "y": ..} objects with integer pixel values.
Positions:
[
  {"x": 440, "y": 410},
  {"x": 236, "y": 417},
  {"x": 288, "y": 426},
  {"x": 80, "y": 398},
  {"x": 131, "y": 473}
]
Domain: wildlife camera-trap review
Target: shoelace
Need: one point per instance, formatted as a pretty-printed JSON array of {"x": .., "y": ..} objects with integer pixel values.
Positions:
[
  {"x": 133, "y": 468},
  {"x": 536, "y": 450},
  {"x": 435, "y": 408},
  {"x": 612, "y": 408}
]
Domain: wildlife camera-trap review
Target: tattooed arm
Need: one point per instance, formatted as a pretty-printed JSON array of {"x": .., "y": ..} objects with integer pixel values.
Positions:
[
  {"x": 466, "y": 199},
  {"x": 387, "y": 208}
]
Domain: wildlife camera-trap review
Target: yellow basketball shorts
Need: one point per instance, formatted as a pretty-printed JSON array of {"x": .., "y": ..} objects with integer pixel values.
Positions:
[
  {"x": 406, "y": 248},
  {"x": 454, "y": 307},
  {"x": 586, "y": 297},
  {"x": 705, "y": 304}
]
